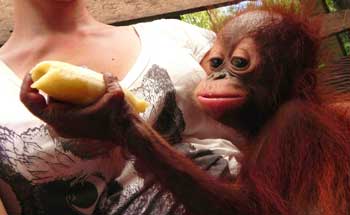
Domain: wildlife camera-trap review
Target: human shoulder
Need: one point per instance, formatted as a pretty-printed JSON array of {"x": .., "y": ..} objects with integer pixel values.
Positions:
[
  {"x": 197, "y": 40},
  {"x": 177, "y": 29}
]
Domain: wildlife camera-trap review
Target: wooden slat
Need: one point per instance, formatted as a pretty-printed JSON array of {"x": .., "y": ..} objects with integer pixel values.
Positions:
[
  {"x": 331, "y": 43},
  {"x": 338, "y": 76},
  {"x": 112, "y": 11},
  {"x": 333, "y": 47},
  {"x": 344, "y": 4},
  {"x": 335, "y": 22}
]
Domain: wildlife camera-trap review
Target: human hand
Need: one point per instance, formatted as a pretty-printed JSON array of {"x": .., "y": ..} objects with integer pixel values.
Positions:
[{"x": 95, "y": 121}]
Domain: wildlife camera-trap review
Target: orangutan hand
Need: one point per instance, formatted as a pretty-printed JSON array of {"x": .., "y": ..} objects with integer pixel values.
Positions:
[{"x": 95, "y": 121}]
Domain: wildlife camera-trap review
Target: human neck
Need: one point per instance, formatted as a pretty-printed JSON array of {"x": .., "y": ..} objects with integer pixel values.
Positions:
[
  {"x": 38, "y": 17},
  {"x": 42, "y": 27}
]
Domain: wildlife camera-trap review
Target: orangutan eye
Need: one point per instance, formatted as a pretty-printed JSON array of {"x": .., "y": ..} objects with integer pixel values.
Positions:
[
  {"x": 216, "y": 62},
  {"x": 240, "y": 63}
]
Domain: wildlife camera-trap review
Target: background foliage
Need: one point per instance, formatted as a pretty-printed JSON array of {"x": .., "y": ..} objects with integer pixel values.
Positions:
[
  {"x": 334, "y": 5},
  {"x": 210, "y": 19}
]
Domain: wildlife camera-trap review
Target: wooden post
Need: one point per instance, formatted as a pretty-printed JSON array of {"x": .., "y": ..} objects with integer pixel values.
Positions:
[{"x": 333, "y": 42}]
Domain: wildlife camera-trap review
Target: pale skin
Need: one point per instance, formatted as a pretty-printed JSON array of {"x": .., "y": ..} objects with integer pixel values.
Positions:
[
  {"x": 64, "y": 30},
  {"x": 73, "y": 36}
]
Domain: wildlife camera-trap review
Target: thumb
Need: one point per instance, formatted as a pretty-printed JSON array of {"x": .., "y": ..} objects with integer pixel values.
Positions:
[{"x": 31, "y": 97}]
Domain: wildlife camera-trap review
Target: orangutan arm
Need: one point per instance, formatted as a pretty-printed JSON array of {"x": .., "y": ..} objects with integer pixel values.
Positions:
[{"x": 197, "y": 190}]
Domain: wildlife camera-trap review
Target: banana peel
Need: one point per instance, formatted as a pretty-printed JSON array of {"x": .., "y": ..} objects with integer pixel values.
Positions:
[{"x": 73, "y": 84}]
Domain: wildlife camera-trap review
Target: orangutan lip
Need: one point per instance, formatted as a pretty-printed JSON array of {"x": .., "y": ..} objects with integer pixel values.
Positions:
[
  {"x": 220, "y": 96},
  {"x": 214, "y": 96},
  {"x": 216, "y": 102}
]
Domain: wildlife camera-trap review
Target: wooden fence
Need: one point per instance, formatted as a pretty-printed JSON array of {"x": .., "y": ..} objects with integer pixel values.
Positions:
[{"x": 129, "y": 11}]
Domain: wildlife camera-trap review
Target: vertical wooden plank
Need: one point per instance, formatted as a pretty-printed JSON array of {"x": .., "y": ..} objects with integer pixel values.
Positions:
[
  {"x": 332, "y": 43},
  {"x": 335, "y": 22}
]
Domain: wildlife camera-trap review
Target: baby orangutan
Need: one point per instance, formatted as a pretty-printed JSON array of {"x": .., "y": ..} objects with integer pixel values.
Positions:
[{"x": 262, "y": 82}]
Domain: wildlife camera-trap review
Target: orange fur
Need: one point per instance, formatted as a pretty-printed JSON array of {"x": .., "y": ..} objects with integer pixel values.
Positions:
[{"x": 301, "y": 152}]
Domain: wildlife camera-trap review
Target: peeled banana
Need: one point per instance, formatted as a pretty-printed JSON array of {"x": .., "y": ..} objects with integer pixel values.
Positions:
[{"x": 73, "y": 84}]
